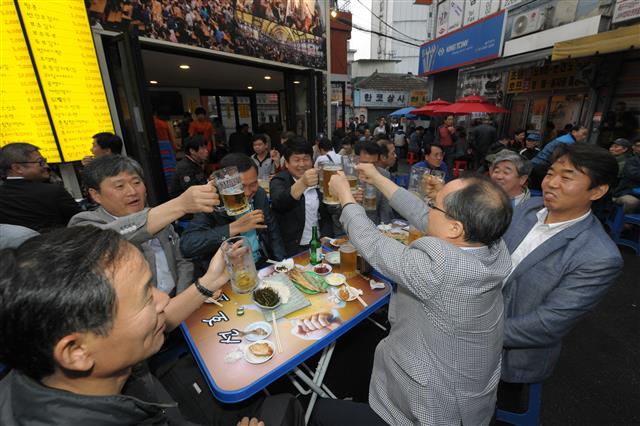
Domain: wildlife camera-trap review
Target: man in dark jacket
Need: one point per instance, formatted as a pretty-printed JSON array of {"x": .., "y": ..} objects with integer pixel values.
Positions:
[
  {"x": 297, "y": 201},
  {"x": 92, "y": 289},
  {"x": 191, "y": 169},
  {"x": 630, "y": 179},
  {"x": 482, "y": 137},
  {"x": 25, "y": 198},
  {"x": 207, "y": 231}
]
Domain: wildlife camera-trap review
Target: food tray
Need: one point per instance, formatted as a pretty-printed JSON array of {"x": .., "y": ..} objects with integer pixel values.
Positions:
[{"x": 297, "y": 300}]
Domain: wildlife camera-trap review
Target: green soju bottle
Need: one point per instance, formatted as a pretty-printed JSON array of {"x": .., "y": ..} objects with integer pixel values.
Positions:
[{"x": 315, "y": 248}]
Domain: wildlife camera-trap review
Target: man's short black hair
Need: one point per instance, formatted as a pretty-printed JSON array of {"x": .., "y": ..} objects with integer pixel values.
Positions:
[
  {"x": 106, "y": 140},
  {"x": 482, "y": 207},
  {"x": 368, "y": 147},
  {"x": 54, "y": 285},
  {"x": 200, "y": 111},
  {"x": 325, "y": 144},
  {"x": 298, "y": 145},
  {"x": 194, "y": 143},
  {"x": 109, "y": 166},
  {"x": 427, "y": 148},
  {"x": 242, "y": 161},
  {"x": 258, "y": 137},
  {"x": 596, "y": 162}
]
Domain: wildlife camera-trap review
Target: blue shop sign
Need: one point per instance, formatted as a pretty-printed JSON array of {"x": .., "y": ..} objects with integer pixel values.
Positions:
[{"x": 477, "y": 42}]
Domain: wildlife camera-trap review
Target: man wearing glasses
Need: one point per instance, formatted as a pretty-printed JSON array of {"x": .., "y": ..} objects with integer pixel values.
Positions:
[
  {"x": 440, "y": 363},
  {"x": 25, "y": 199}
]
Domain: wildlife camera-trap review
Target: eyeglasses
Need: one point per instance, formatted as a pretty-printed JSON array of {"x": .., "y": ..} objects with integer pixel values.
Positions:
[
  {"x": 432, "y": 205},
  {"x": 41, "y": 162}
]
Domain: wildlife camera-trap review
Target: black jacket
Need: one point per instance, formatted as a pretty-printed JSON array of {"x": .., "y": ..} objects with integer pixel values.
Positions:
[
  {"x": 207, "y": 231},
  {"x": 24, "y": 401},
  {"x": 187, "y": 174},
  {"x": 290, "y": 213},
  {"x": 36, "y": 205}
]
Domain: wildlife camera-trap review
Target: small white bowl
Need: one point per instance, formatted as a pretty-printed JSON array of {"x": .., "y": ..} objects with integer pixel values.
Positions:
[
  {"x": 325, "y": 266},
  {"x": 335, "y": 279},
  {"x": 333, "y": 257},
  {"x": 254, "y": 359}
]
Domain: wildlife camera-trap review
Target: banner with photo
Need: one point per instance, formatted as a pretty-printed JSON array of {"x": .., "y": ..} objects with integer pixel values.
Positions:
[{"x": 287, "y": 31}]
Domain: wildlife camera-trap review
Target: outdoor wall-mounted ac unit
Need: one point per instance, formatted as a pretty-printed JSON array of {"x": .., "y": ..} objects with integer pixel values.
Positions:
[{"x": 528, "y": 22}]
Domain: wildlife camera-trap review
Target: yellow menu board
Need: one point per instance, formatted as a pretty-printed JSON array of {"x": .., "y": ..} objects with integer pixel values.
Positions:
[
  {"x": 23, "y": 117},
  {"x": 62, "y": 47}
]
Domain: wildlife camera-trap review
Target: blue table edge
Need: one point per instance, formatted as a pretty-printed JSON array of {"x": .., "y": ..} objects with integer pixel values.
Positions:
[{"x": 250, "y": 390}]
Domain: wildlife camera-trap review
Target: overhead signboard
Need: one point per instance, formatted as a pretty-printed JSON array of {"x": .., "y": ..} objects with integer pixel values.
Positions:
[
  {"x": 625, "y": 10},
  {"x": 456, "y": 11},
  {"x": 442, "y": 19},
  {"x": 372, "y": 98},
  {"x": 477, "y": 42},
  {"x": 23, "y": 116},
  {"x": 63, "y": 52},
  {"x": 471, "y": 12}
]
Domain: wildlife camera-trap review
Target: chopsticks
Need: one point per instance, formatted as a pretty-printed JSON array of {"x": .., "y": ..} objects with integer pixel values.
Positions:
[
  {"x": 277, "y": 333},
  {"x": 215, "y": 302},
  {"x": 361, "y": 301}
]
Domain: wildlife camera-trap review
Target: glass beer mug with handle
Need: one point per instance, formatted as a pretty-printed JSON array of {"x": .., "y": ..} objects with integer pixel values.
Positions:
[
  {"x": 229, "y": 185},
  {"x": 240, "y": 265},
  {"x": 328, "y": 170}
]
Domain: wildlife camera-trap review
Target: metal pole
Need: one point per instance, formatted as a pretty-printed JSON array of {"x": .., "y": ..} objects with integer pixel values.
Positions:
[{"x": 327, "y": 14}]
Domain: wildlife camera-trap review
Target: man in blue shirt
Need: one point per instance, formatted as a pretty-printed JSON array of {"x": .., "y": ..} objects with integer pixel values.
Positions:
[
  {"x": 433, "y": 156},
  {"x": 542, "y": 161}
]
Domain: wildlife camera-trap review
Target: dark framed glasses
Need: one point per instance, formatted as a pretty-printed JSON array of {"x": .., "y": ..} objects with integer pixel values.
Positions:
[
  {"x": 41, "y": 162},
  {"x": 432, "y": 205}
]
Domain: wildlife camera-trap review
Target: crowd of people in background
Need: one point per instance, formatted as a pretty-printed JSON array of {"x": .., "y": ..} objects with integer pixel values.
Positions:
[
  {"x": 222, "y": 25},
  {"x": 484, "y": 298}
]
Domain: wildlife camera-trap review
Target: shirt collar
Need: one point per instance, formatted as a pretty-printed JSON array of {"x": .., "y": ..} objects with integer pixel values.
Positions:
[{"x": 542, "y": 215}]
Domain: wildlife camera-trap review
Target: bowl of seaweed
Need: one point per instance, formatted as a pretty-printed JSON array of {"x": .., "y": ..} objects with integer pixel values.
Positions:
[{"x": 266, "y": 297}]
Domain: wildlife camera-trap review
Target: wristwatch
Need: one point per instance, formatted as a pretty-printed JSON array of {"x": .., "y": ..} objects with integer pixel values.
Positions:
[{"x": 202, "y": 289}]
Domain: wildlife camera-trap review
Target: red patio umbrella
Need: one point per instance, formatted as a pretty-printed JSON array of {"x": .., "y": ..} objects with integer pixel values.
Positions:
[
  {"x": 470, "y": 104},
  {"x": 430, "y": 108}
]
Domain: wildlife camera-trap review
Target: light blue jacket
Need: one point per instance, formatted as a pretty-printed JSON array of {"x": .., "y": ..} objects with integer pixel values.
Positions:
[{"x": 544, "y": 157}]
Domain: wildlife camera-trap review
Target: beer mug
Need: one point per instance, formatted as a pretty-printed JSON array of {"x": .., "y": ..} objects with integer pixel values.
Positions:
[
  {"x": 415, "y": 181},
  {"x": 349, "y": 168},
  {"x": 370, "y": 198},
  {"x": 231, "y": 192},
  {"x": 240, "y": 265},
  {"x": 348, "y": 259},
  {"x": 414, "y": 234},
  {"x": 328, "y": 170}
]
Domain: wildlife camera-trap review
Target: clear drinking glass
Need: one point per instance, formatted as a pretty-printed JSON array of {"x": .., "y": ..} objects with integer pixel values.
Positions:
[
  {"x": 263, "y": 179},
  {"x": 240, "y": 265},
  {"x": 351, "y": 173},
  {"x": 370, "y": 197},
  {"x": 415, "y": 181},
  {"x": 348, "y": 259},
  {"x": 328, "y": 170},
  {"x": 231, "y": 192}
]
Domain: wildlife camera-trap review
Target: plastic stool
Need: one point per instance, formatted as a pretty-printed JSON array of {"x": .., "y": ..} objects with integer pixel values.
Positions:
[
  {"x": 412, "y": 158},
  {"x": 531, "y": 417},
  {"x": 459, "y": 165}
]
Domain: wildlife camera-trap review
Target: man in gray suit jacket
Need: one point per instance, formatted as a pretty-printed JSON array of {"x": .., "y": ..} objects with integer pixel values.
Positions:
[
  {"x": 440, "y": 364},
  {"x": 563, "y": 264},
  {"x": 116, "y": 183}
]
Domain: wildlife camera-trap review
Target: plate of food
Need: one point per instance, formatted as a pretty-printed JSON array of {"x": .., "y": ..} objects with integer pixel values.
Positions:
[
  {"x": 266, "y": 297},
  {"x": 337, "y": 242},
  {"x": 258, "y": 330},
  {"x": 308, "y": 281},
  {"x": 284, "y": 266},
  {"x": 348, "y": 293},
  {"x": 335, "y": 280},
  {"x": 259, "y": 352},
  {"x": 322, "y": 269},
  {"x": 333, "y": 257}
]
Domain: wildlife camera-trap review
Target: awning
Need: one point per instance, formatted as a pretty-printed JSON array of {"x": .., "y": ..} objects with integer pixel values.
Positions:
[
  {"x": 526, "y": 60},
  {"x": 608, "y": 42}
]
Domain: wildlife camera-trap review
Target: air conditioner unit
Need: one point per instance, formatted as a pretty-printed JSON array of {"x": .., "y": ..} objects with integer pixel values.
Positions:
[{"x": 528, "y": 22}]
